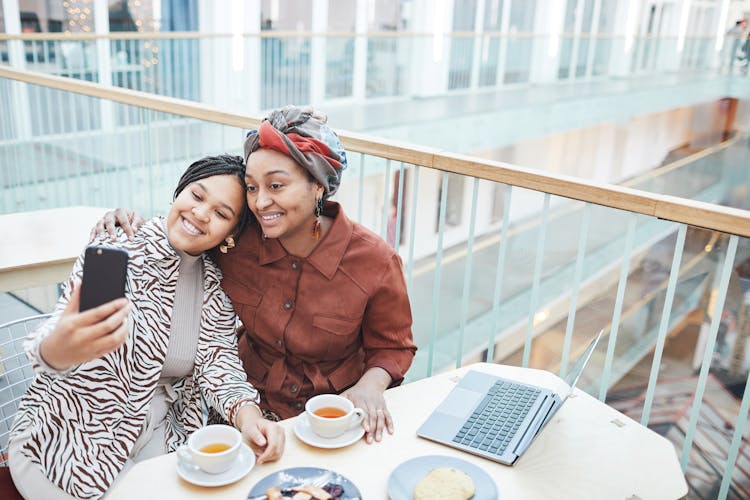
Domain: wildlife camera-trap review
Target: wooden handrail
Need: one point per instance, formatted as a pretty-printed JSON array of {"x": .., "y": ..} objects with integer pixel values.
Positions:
[
  {"x": 181, "y": 107},
  {"x": 691, "y": 212}
]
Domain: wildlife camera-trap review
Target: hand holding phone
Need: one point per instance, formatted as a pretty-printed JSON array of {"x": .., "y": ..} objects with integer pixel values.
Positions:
[
  {"x": 79, "y": 337},
  {"x": 94, "y": 321}
]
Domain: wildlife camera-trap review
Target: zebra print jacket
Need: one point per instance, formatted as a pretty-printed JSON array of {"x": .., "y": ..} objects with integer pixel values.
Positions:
[{"x": 85, "y": 421}]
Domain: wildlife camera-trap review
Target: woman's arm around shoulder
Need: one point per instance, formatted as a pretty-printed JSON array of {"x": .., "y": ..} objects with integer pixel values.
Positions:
[
  {"x": 70, "y": 337},
  {"x": 127, "y": 219}
]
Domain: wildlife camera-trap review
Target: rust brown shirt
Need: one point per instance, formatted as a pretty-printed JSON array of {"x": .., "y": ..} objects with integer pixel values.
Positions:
[{"x": 315, "y": 325}]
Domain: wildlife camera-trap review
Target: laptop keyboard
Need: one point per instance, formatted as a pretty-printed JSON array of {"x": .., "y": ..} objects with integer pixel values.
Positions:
[{"x": 497, "y": 418}]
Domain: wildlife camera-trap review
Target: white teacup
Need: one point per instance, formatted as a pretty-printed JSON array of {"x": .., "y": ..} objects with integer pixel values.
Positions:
[
  {"x": 331, "y": 415},
  {"x": 213, "y": 448}
]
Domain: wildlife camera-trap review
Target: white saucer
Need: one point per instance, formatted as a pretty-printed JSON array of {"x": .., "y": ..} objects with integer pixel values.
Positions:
[
  {"x": 305, "y": 433},
  {"x": 242, "y": 465}
]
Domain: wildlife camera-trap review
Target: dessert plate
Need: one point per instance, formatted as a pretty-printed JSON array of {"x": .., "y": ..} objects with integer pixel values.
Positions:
[
  {"x": 405, "y": 477},
  {"x": 297, "y": 476}
]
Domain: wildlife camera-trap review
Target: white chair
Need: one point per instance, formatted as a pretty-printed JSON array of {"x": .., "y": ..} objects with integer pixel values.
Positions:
[{"x": 16, "y": 372}]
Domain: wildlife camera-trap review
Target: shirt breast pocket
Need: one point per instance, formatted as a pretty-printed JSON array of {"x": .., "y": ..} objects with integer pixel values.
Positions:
[
  {"x": 246, "y": 302},
  {"x": 340, "y": 334}
]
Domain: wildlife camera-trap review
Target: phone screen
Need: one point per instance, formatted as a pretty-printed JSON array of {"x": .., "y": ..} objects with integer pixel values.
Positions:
[{"x": 104, "y": 271}]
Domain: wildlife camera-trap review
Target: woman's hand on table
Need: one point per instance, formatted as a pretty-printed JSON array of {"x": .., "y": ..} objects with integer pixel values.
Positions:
[
  {"x": 128, "y": 220},
  {"x": 266, "y": 438},
  {"x": 82, "y": 336},
  {"x": 367, "y": 394}
]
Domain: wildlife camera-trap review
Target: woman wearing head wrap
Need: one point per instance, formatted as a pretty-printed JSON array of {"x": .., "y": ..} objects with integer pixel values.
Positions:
[{"x": 322, "y": 299}]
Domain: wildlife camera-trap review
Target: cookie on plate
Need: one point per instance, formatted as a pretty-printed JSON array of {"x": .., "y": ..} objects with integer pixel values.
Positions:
[{"x": 444, "y": 483}]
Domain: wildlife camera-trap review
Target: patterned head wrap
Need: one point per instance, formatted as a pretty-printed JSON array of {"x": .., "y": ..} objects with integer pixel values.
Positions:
[{"x": 302, "y": 134}]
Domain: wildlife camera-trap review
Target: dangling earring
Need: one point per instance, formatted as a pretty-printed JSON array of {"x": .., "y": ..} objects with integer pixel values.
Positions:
[
  {"x": 316, "y": 225},
  {"x": 229, "y": 244}
]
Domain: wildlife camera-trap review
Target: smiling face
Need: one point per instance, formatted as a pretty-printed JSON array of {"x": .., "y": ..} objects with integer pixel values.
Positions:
[
  {"x": 205, "y": 213},
  {"x": 282, "y": 197}
]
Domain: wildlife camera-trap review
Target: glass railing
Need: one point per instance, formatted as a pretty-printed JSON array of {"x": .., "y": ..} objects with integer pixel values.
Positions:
[
  {"x": 270, "y": 69},
  {"x": 523, "y": 269}
]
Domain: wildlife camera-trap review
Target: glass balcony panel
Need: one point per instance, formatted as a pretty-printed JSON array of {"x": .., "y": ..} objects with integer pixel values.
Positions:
[
  {"x": 582, "y": 56},
  {"x": 339, "y": 67},
  {"x": 566, "y": 56},
  {"x": 518, "y": 59},
  {"x": 602, "y": 55},
  {"x": 387, "y": 60},
  {"x": 8, "y": 122},
  {"x": 489, "y": 60},
  {"x": 83, "y": 150},
  {"x": 285, "y": 71},
  {"x": 461, "y": 58}
]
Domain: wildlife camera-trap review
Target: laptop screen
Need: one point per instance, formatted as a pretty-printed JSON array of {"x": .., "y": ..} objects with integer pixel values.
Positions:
[{"x": 577, "y": 369}]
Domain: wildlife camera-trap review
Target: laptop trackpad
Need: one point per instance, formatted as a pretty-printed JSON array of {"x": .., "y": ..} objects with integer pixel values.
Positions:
[{"x": 460, "y": 402}]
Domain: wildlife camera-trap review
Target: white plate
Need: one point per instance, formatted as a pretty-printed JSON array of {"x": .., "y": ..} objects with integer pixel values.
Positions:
[
  {"x": 305, "y": 433},
  {"x": 296, "y": 476},
  {"x": 242, "y": 465},
  {"x": 405, "y": 477}
]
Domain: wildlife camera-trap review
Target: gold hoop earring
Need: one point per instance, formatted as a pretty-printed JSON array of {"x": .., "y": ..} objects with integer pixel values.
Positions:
[
  {"x": 229, "y": 240},
  {"x": 316, "y": 230}
]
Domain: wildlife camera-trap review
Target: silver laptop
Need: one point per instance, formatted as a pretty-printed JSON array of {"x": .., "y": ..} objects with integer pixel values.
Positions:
[{"x": 497, "y": 418}]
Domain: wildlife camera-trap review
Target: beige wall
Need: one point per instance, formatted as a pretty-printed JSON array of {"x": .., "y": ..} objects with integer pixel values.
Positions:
[{"x": 611, "y": 152}]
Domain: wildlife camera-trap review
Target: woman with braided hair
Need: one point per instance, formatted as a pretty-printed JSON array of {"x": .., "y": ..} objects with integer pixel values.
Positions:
[
  {"x": 322, "y": 300},
  {"x": 125, "y": 381}
]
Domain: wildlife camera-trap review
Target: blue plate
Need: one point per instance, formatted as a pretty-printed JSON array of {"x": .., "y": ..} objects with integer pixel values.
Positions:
[
  {"x": 405, "y": 477},
  {"x": 297, "y": 476}
]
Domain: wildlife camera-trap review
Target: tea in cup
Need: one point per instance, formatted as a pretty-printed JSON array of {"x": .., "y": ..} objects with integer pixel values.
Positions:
[
  {"x": 331, "y": 415},
  {"x": 213, "y": 448}
]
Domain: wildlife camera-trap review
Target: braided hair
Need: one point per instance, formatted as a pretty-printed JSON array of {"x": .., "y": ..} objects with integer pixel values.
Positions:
[{"x": 217, "y": 165}]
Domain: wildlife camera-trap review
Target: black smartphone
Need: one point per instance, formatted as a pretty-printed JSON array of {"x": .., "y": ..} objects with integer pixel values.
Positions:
[{"x": 104, "y": 270}]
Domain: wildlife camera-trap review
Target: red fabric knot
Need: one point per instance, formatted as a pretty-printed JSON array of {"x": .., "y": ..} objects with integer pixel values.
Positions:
[{"x": 269, "y": 137}]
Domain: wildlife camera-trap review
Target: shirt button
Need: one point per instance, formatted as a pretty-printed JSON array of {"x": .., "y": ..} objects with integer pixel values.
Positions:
[
  {"x": 279, "y": 343},
  {"x": 293, "y": 388},
  {"x": 287, "y": 304},
  {"x": 298, "y": 405},
  {"x": 295, "y": 265}
]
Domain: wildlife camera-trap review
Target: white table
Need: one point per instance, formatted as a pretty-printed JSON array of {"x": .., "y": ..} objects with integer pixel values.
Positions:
[
  {"x": 588, "y": 451},
  {"x": 40, "y": 247}
]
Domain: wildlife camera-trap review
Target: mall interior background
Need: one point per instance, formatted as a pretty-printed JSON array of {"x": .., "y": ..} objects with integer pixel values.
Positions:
[{"x": 610, "y": 91}]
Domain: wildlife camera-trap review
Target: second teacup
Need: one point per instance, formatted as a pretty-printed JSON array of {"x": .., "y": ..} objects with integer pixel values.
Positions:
[
  {"x": 331, "y": 415},
  {"x": 213, "y": 448}
]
